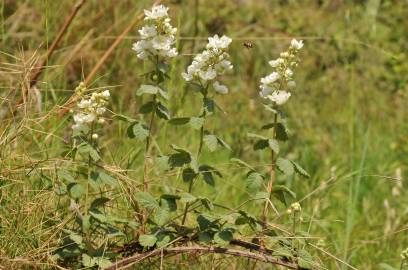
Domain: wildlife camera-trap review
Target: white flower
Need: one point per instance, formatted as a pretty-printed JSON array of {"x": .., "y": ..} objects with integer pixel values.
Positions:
[
  {"x": 279, "y": 97},
  {"x": 265, "y": 90},
  {"x": 106, "y": 94},
  {"x": 271, "y": 78},
  {"x": 157, "y": 12},
  {"x": 148, "y": 31},
  {"x": 296, "y": 44},
  {"x": 210, "y": 63},
  {"x": 288, "y": 72},
  {"x": 157, "y": 35},
  {"x": 218, "y": 43},
  {"x": 276, "y": 62},
  {"x": 220, "y": 88}
]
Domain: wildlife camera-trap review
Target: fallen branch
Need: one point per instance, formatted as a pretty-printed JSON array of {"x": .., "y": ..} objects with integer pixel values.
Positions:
[{"x": 127, "y": 262}]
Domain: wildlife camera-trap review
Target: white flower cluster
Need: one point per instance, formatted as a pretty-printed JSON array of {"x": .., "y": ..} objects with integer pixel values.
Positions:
[
  {"x": 89, "y": 111},
  {"x": 157, "y": 35},
  {"x": 275, "y": 86},
  {"x": 210, "y": 63}
]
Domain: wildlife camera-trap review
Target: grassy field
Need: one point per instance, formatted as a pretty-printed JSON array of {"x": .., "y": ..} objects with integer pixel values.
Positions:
[{"x": 348, "y": 119}]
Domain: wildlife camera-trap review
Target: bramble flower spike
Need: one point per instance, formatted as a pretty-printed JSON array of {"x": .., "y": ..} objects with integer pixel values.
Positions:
[
  {"x": 210, "y": 63},
  {"x": 157, "y": 35},
  {"x": 275, "y": 87}
]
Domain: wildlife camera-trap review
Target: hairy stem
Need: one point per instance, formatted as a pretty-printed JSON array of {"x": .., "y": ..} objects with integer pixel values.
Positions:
[
  {"x": 200, "y": 147},
  {"x": 272, "y": 171}
]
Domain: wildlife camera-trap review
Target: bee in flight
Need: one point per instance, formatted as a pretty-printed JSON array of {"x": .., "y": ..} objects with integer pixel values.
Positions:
[{"x": 248, "y": 45}]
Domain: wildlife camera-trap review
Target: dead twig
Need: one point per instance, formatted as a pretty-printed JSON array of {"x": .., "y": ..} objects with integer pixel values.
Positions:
[{"x": 127, "y": 262}]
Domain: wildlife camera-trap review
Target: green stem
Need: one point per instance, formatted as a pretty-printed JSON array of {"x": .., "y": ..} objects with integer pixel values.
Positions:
[
  {"x": 200, "y": 147},
  {"x": 272, "y": 171},
  {"x": 147, "y": 149}
]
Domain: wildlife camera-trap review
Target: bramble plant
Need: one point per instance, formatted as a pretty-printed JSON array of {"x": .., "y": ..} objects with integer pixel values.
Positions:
[{"x": 97, "y": 236}]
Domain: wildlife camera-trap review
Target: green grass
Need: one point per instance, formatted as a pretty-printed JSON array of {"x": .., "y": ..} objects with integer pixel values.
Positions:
[{"x": 348, "y": 115}]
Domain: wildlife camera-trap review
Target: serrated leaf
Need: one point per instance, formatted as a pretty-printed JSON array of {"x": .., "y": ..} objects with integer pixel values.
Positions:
[
  {"x": 76, "y": 238},
  {"x": 169, "y": 202},
  {"x": 107, "y": 179},
  {"x": 147, "y": 240},
  {"x": 147, "y": 89},
  {"x": 261, "y": 144},
  {"x": 254, "y": 181},
  {"x": 205, "y": 237},
  {"x": 285, "y": 166},
  {"x": 162, "y": 111},
  {"x": 103, "y": 262},
  {"x": 66, "y": 176},
  {"x": 196, "y": 122},
  {"x": 146, "y": 200},
  {"x": 305, "y": 260},
  {"x": 76, "y": 190},
  {"x": 87, "y": 260},
  {"x": 163, "y": 239},
  {"x": 274, "y": 145},
  {"x": 223, "y": 238},
  {"x": 187, "y": 198},
  {"x": 85, "y": 148},
  {"x": 147, "y": 107},
  {"x": 161, "y": 216},
  {"x": 211, "y": 142},
  {"x": 179, "y": 120},
  {"x": 300, "y": 170},
  {"x": 138, "y": 131},
  {"x": 188, "y": 175},
  {"x": 162, "y": 163}
]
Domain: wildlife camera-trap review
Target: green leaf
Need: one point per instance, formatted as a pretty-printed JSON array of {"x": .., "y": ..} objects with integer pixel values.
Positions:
[
  {"x": 305, "y": 260},
  {"x": 76, "y": 238},
  {"x": 124, "y": 118},
  {"x": 206, "y": 203},
  {"x": 179, "y": 159},
  {"x": 223, "y": 143},
  {"x": 211, "y": 142},
  {"x": 187, "y": 198},
  {"x": 196, "y": 122},
  {"x": 99, "y": 216},
  {"x": 102, "y": 262},
  {"x": 163, "y": 239},
  {"x": 162, "y": 112},
  {"x": 300, "y": 170},
  {"x": 209, "y": 105},
  {"x": 169, "y": 202},
  {"x": 162, "y": 163},
  {"x": 274, "y": 145},
  {"x": 179, "y": 121},
  {"x": 205, "y": 237},
  {"x": 86, "y": 149},
  {"x": 164, "y": 94},
  {"x": 146, "y": 200},
  {"x": 147, "y": 89},
  {"x": 107, "y": 179},
  {"x": 147, "y": 107},
  {"x": 205, "y": 222},
  {"x": 207, "y": 173},
  {"x": 147, "y": 240},
  {"x": 87, "y": 261},
  {"x": 99, "y": 202},
  {"x": 242, "y": 163},
  {"x": 385, "y": 266},
  {"x": 254, "y": 181},
  {"x": 223, "y": 238},
  {"x": 66, "y": 176},
  {"x": 162, "y": 216},
  {"x": 285, "y": 166},
  {"x": 279, "y": 192},
  {"x": 188, "y": 174},
  {"x": 138, "y": 131},
  {"x": 261, "y": 144},
  {"x": 256, "y": 136},
  {"x": 281, "y": 131},
  {"x": 76, "y": 190}
]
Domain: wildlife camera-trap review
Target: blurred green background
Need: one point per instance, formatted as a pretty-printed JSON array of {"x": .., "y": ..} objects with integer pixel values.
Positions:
[{"x": 348, "y": 115}]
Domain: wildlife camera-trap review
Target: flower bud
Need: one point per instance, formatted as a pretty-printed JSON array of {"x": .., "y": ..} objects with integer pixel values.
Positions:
[{"x": 95, "y": 136}]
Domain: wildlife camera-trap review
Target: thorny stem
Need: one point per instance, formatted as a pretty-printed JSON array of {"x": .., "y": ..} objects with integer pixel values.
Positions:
[
  {"x": 272, "y": 171},
  {"x": 200, "y": 147}
]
